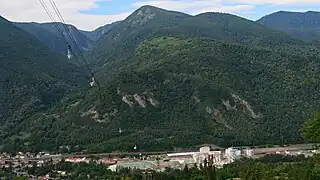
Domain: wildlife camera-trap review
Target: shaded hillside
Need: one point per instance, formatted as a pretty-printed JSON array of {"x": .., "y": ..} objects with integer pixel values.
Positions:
[
  {"x": 177, "y": 93},
  {"x": 84, "y": 42},
  {"x": 148, "y": 22},
  {"x": 305, "y": 26},
  {"x": 32, "y": 77},
  {"x": 48, "y": 35},
  {"x": 233, "y": 29},
  {"x": 99, "y": 32},
  {"x": 48, "y": 38}
]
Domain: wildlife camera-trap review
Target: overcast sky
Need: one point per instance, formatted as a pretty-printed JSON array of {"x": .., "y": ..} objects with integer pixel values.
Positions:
[{"x": 90, "y": 14}]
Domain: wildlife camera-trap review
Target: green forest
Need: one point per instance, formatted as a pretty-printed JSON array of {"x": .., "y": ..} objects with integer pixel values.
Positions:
[{"x": 202, "y": 93}]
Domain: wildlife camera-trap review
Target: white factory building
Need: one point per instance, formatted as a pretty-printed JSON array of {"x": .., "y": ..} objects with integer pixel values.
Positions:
[
  {"x": 232, "y": 153},
  {"x": 220, "y": 158},
  {"x": 196, "y": 157},
  {"x": 204, "y": 153},
  {"x": 179, "y": 160}
]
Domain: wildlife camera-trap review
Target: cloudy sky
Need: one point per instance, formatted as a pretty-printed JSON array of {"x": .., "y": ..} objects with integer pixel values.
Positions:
[{"x": 90, "y": 14}]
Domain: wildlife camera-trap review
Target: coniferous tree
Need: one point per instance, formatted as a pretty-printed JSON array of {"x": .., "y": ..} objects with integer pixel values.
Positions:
[
  {"x": 201, "y": 167},
  {"x": 195, "y": 166},
  {"x": 211, "y": 169},
  {"x": 214, "y": 173},
  {"x": 186, "y": 172},
  {"x": 205, "y": 169}
]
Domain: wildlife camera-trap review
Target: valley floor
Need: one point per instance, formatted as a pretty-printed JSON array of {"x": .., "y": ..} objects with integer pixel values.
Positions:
[{"x": 157, "y": 161}]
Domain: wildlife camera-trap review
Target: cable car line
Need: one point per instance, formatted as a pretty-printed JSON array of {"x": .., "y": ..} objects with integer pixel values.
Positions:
[
  {"x": 63, "y": 36},
  {"x": 53, "y": 4},
  {"x": 69, "y": 37},
  {"x": 64, "y": 25},
  {"x": 45, "y": 7},
  {"x": 59, "y": 30}
]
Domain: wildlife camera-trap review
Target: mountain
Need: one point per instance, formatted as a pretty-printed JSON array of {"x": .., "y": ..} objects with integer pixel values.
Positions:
[
  {"x": 48, "y": 35},
  {"x": 148, "y": 22},
  {"x": 305, "y": 26},
  {"x": 120, "y": 42},
  {"x": 179, "y": 92},
  {"x": 32, "y": 77},
  {"x": 99, "y": 32},
  {"x": 171, "y": 80},
  {"x": 234, "y": 29}
]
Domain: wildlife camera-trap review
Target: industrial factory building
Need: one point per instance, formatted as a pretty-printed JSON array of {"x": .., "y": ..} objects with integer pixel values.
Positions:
[{"x": 179, "y": 160}]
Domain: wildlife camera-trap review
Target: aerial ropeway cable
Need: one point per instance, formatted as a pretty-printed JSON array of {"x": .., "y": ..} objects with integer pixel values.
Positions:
[
  {"x": 58, "y": 28},
  {"x": 68, "y": 31},
  {"x": 68, "y": 38},
  {"x": 45, "y": 7}
]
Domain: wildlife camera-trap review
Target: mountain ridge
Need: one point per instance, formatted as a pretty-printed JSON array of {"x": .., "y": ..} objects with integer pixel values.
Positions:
[
  {"x": 48, "y": 34},
  {"x": 96, "y": 34},
  {"x": 119, "y": 42},
  {"x": 305, "y": 26},
  {"x": 90, "y": 38}
]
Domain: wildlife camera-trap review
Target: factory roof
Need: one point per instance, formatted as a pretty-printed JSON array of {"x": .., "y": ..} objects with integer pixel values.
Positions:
[
  {"x": 181, "y": 154},
  {"x": 137, "y": 164}
]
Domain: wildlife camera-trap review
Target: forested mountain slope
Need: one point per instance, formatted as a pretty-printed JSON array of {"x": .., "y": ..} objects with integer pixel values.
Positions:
[
  {"x": 120, "y": 42},
  {"x": 182, "y": 92},
  {"x": 48, "y": 38},
  {"x": 148, "y": 22},
  {"x": 96, "y": 34},
  {"x": 32, "y": 77},
  {"x": 305, "y": 26},
  {"x": 48, "y": 35}
]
